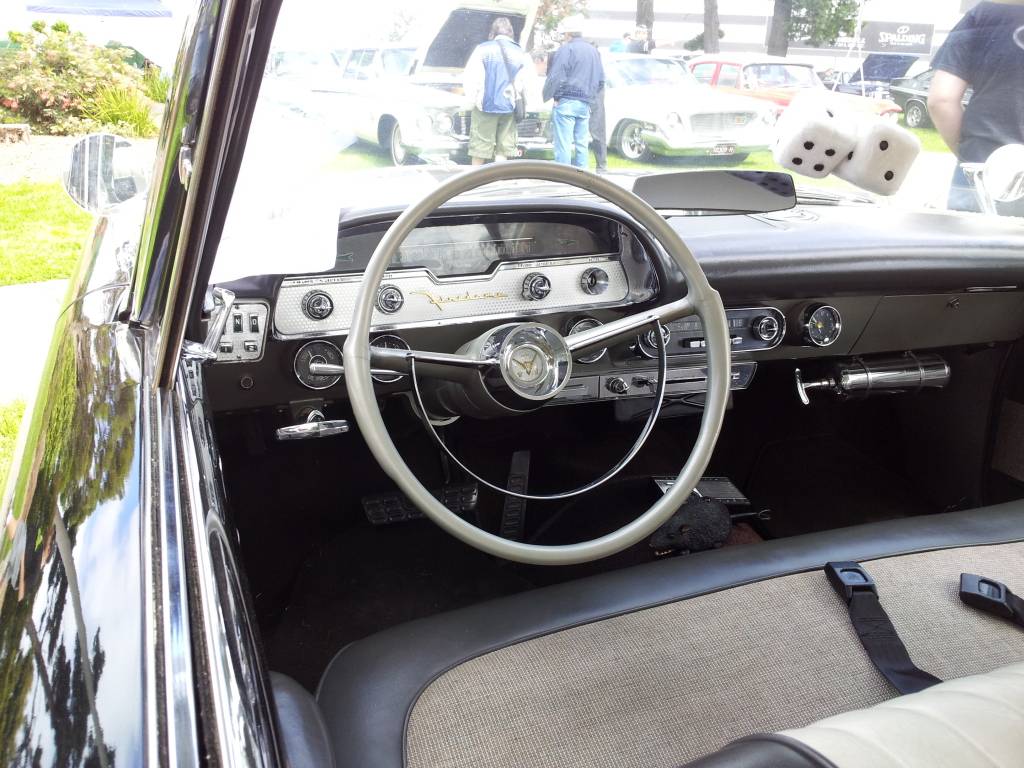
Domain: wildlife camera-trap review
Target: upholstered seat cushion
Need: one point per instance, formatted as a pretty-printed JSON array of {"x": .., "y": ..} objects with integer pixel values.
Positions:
[{"x": 661, "y": 664}]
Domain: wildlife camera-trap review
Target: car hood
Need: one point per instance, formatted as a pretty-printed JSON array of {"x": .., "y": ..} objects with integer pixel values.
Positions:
[
  {"x": 658, "y": 100},
  {"x": 453, "y": 35},
  {"x": 783, "y": 96}
]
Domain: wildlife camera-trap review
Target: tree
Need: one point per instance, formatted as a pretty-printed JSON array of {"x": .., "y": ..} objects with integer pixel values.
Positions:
[
  {"x": 549, "y": 15},
  {"x": 778, "y": 32},
  {"x": 712, "y": 31},
  {"x": 645, "y": 16},
  {"x": 815, "y": 22},
  {"x": 822, "y": 22}
]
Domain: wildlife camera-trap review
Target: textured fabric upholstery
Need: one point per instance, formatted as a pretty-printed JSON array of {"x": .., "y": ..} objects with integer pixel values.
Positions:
[
  {"x": 973, "y": 722},
  {"x": 668, "y": 684}
]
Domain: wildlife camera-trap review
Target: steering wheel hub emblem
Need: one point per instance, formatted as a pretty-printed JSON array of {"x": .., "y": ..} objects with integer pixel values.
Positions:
[{"x": 533, "y": 358}]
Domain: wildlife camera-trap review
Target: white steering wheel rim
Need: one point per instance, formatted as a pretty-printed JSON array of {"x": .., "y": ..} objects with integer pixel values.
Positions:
[{"x": 707, "y": 304}]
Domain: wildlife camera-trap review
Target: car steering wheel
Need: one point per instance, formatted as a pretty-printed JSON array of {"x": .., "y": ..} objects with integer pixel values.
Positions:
[{"x": 485, "y": 366}]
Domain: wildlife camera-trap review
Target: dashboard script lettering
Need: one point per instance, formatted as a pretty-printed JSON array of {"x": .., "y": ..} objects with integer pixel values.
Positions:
[{"x": 458, "y": 298}]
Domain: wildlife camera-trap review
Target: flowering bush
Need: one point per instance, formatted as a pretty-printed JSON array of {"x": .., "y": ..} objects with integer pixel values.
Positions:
[{"x": 50, "y": 78}]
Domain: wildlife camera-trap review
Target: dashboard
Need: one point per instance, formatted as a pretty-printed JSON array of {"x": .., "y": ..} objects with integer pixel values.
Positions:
[{"x": 814, "y": 282}]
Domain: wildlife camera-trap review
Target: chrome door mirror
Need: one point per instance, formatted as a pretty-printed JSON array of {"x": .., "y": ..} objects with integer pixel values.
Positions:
[
  {"x": 104, "y": 171},
  {"x": 1004, "y": 173}
]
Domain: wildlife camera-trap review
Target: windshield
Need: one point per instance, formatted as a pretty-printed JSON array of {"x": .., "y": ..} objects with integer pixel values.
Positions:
[
  {"x": 366, "y": 106},
  {"x": 645, "y": 71},
  {"x": 779, "y": 76}
]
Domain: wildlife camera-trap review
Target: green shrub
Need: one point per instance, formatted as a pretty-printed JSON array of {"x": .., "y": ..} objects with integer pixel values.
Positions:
[
  {"x": 122, "y": 110},
  {"x": 49, "y": 77},
  {"x": 156, "y": 85}
]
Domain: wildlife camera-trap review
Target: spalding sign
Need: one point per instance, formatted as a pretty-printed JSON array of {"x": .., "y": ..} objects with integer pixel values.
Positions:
[{"x": 896, "y": 37}]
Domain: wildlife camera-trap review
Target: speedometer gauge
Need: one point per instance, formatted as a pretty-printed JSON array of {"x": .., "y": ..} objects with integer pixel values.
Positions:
[
  {"x": 822, "y": 324},
  {"x": 316, "y": 352}
]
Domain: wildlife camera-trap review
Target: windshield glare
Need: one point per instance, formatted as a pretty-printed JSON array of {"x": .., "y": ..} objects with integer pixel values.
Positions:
[{"x": 372, "y": 104}]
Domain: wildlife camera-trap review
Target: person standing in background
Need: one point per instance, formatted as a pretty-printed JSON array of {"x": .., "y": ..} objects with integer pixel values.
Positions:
[
  {"x": 575, "y": 76},
  {"x": 641, "y": 42},
  {"x": 495, "y": 76},
  {"x": 621, "y": 46},
  {"x": 984, "y": 51}
]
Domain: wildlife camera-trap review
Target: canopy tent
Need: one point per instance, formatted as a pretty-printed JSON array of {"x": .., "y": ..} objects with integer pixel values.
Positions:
[{"x": 132, "y": 8}]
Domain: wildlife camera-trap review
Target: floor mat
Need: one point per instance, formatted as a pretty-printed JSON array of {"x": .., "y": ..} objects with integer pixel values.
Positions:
[{"x": 819, "y": 483}]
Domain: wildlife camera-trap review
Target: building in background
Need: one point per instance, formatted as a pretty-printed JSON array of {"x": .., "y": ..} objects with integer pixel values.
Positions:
[{"x": 896, "y": 26}]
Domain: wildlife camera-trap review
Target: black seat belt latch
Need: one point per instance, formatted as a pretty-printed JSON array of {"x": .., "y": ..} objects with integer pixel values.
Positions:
[
  {"x": 848, "y": 577},
  {"x": 875, "y": 629},
  {"x": 991, "y": 596}
]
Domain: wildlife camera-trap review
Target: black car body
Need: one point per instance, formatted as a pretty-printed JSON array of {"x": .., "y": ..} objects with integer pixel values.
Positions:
[
  {"x": 155, "y": 530},
  {"x": 874, "y": 76},
  {"x": 911, "y": 93}
]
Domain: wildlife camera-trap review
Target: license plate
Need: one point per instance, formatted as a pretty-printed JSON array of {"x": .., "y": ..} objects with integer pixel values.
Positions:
[
  {"x": 520, "y": 152},
  {"x": 722, "y": 149}
]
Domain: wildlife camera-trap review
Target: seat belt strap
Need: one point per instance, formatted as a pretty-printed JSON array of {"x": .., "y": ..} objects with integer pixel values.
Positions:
[
  {"x": 874, "y": 628},
  {"x": 991, "y": 596}
]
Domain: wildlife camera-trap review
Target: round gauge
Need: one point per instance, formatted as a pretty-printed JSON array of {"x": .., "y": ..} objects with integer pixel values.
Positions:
[
  {"x": 647, "y": 342},
  {"x": 388, "y": 341},
  {"x": 585, "y": 324},
  {"x": 823, "y": 324},
  {"x": 316, "y": 352}
]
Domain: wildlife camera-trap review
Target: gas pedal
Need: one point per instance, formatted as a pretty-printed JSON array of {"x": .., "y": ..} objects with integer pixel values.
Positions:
[
  {"x": 718, "y": 488},
  {"x": 513, "y": 513},
  {"x": 394, "y": 507}
]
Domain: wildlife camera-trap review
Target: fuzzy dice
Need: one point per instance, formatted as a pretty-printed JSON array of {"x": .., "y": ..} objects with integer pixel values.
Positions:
[
  {"x": 881, "y": 158},
  {"x": 813, "y": 138}
]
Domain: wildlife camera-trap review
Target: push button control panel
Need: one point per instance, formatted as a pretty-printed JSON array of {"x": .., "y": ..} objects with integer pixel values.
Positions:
[{"x": 244, "y": 334}]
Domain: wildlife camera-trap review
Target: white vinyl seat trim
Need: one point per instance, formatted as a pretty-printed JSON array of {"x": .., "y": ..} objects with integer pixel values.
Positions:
[{"x": 971, "y": 722}]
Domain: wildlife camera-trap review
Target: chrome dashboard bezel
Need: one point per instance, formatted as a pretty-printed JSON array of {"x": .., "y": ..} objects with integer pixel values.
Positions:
[{"x": 313, "y": 282}]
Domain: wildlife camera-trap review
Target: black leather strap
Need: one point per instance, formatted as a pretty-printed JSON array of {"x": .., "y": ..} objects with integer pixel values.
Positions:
[
  {"x": 370, "y": 687},
  {"x": 992, "y": 597},
  {"x": 874, "y": 628}
]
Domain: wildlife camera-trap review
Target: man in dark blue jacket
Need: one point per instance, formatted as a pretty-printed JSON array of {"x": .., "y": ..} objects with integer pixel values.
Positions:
[{"x": 575, "y": 75}]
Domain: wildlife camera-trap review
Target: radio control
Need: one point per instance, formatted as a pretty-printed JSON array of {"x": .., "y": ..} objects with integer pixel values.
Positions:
[
  {"x": 536, "y": 286},
  {"x": 766, "y": 328},
  {"x": 617, "y": 385},
  {"x": 316, "y": 305}
]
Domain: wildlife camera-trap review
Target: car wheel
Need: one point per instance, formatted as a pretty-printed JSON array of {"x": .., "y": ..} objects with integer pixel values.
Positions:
[
  {"x": 399, "y": 154},
  {"x": 631, "y": 142},
  {"x": 916, "y": 115}
]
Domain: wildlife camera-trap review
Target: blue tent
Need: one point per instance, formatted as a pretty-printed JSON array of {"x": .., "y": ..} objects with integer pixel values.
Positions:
[{"x": 135, "y": 8}]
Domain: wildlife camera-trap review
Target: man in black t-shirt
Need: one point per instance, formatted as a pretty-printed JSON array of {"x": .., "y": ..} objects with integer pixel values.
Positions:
[{"x": 984, "y": 51}]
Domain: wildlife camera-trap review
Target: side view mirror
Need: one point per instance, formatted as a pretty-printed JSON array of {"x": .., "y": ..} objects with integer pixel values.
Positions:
[
  {"x": 1000, "y": 179},
  {"x": 104, "y": 171}
]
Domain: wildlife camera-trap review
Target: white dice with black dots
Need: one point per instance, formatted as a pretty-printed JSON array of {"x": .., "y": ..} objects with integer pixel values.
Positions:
[{"x": 815, "y": 138}]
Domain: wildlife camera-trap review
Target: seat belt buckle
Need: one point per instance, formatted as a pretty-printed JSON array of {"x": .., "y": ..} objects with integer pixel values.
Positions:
[
  {"x": 986, "y": 595},
  {"x": 848, "y": 578}
]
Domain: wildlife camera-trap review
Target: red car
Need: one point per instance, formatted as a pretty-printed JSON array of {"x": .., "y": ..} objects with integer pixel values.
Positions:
[{"x": 775, "y": 79}]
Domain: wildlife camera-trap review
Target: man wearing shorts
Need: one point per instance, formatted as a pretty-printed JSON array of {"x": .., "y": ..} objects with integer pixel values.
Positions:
[{"x": 493, "y": 79}]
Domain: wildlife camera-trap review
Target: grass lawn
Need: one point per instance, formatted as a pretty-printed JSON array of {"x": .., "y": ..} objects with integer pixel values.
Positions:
[
  {"x": 10, "y": 420},
  {"x": 41, "y": 232},
  {"x": 930, "y": 139}
]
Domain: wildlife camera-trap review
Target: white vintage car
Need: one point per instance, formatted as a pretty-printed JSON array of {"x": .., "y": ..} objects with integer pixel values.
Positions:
[
  {"x": 654, "y": 106},
  {"x": 408, "y": 99}
]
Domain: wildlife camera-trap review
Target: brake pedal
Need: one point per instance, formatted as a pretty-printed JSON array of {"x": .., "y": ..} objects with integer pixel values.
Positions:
[
  {"x": 395, "y": 507},
  {"x": 513, "y": 513}
]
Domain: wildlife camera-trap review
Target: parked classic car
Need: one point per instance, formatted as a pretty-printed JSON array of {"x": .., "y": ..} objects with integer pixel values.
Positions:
[
  {"x": 654, "y": 107},
  {"x": 873, "y": 76},
  {"x": 911, "y": 93},
  {"x": 408, "y": 100},
  {"x": 297, "y": 496},
  {"x": 775, "y": 79}
]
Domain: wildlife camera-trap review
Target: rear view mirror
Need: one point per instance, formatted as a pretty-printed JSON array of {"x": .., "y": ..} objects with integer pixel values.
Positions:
[{"x": 105, "y": 170}]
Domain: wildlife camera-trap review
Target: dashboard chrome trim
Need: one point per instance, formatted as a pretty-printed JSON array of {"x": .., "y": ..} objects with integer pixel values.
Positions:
[{"x": 487, "y": 290}]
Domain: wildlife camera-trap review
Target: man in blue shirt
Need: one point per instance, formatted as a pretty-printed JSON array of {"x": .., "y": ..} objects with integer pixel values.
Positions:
[
  {"x": 493, "y": 79},
  {"x": 984, "y": 51},
  {"x": 575, "y": 75}
]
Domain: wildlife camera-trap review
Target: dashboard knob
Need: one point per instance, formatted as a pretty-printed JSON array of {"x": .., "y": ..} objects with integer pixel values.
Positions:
[
  {"x": 389, "y": 299},
  {"x": 594, "y": 281},
  {"x": 766, "y": 328},
  {"x": 536, "y": 286},
  {"x": 317, "y": 305},
  {"x": 617, "y": 385}
]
